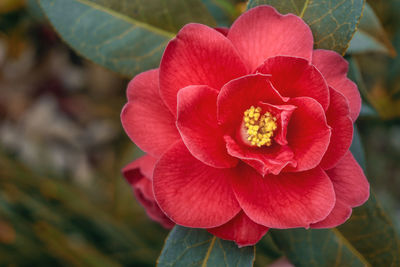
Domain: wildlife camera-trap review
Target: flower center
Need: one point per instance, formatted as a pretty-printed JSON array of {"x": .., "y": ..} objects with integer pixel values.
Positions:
[{"x": 260, "y": 128}]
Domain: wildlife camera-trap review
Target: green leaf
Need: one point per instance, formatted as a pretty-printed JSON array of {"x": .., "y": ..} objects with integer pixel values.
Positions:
[
  {"x": 333, "y": 22},
  {"x": 368, "y": 238},
  {"x": 125, "y": 36},
  {"x": 371, "y": 232},
  {"x": 317, "y": 247},
  {"x": 197, "y": 247},
  {"x": 223, "y": 11},
  {"x": 266, "y": 252},
  {"x": 370, "y": 36},
  {"x": 168, "y": 15}
]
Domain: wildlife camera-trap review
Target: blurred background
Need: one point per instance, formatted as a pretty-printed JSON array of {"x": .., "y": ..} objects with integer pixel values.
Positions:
[{"x": 63, "y": 201}]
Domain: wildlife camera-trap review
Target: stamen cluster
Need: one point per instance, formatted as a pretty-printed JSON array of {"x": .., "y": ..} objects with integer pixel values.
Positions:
[{"x": 260, "y": 128}]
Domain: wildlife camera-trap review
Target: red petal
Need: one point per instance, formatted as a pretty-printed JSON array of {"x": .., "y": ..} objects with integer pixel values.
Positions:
[
  {"x": 139, "y": 174},
  {"x": 308, "y": 133},
  {"x": 223, "y": 30},
  {"x": 240, "y": 229},
  {"x": 334, "y": 68},
  {"x": 287, "y": 200},
  {"x": 283, "y": 114},
  {"x": 294, "y": 77},
  {"x": 197, "y": 124},
  {"x": 351, "y": 188},
  {"x": 143, "y": 166},
  {"x": 199, "y": 55},
  {"x": 351, "y": 185},
  {"x": 145, "y": 118},
  {"x": 240, "y": 94},
  {"x": 340, "y": 213},
  {"x": 262, "y": 32},
  {"x": 191, "y": 193},
  {"x": 264, "y": 160},
  {"x": 338, "y": 118}
]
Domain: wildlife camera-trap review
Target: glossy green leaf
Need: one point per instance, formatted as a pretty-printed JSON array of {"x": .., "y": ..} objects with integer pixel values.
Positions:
[
  {"x": 168, "y": 15},
  {"x": 368, "y": 238},
  {"x": 333, "y": 22},
  {"x": 267, "y": 252},
  {"x": 196, "y": 247},
  {"x": 125, "y": 36},
  {"x": 317, "y": 247},
  {"x": 371, "y": 232},
  {"x": 370, "y": 36}
]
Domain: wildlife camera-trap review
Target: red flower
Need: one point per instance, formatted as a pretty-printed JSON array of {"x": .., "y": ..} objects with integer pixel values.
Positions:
[{"x": 251, "y": 130}]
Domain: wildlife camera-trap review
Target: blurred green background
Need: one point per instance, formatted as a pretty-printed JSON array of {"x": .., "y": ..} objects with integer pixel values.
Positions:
[{"x": 63, "y": 201}]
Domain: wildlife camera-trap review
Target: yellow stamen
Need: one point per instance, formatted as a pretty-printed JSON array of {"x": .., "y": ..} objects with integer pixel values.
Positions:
[{"x": 260, "y": 128}]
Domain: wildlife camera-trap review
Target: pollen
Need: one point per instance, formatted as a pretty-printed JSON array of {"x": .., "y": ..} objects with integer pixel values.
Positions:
[{"x": 260, "y": 128}]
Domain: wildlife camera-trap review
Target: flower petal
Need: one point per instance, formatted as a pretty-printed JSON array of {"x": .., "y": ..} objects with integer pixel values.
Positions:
[
  {"x": 264, "y": 160},
  {"x": 139, "y": 174},
  {"x": 351, "y": 185},
  {"x": 294, "y": 77},
  {"x": 338, "y": 118},
  {"x": 199, "y": 55},
  {"x": 334, "y": 68},
  {"x": 197, "y": 124},
  {"x": 262, "y": 32},
  {"x": 240, "y": 94},
  {"x": 191, "y": 193},
  {"x": 351, "y": 188},
  {"x": 284, "y": 201},
  {"x": 223, "y": 30},
  {"x": 283, "y": 114},
  {"x": 143, "y": 166},
  {"x": 145, "y": 118},
  {"x": 240, "y": 229},
  {"x": 308, "y": 133},
  {"x": 340, "y": 213}
]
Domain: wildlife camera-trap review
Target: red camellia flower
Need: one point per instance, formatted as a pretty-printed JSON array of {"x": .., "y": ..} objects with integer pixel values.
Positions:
[{"x": 246, "y": 130}]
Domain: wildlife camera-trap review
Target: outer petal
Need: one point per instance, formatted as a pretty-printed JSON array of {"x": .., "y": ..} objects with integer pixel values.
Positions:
[
  {"x": 342, "y": 130},
  {"x": 240, "y": 229},
  {"x": 262, "y": 32},
  {"x": 334, "y": 68},
  {"x": 197, "y": 124},
  {"x": 294, "y": 77},
  {"x": 340, "y": 213},
  {"x": 351, "y": 185},
  {"x": 139, "y": 174},
  {"x": 308, "y": 134},
  {"x": 287, "y": 200},
  {"x": 199, "y": 55},
  {"x": 191, "y": 193},
  {"x": 145, "y": 118},
  {"x": 351, "y": 188},
  {"x": 240, "y": 94}
]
